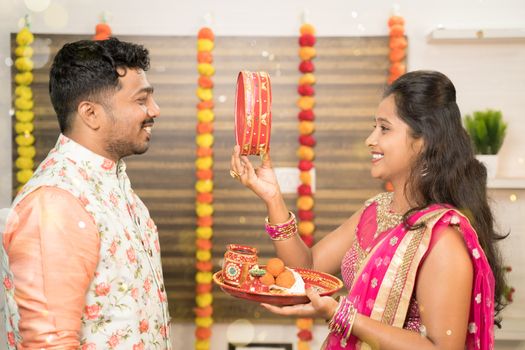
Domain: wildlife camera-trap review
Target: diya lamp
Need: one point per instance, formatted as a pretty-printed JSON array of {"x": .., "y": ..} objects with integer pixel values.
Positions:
[{"x": 253, "y": 283}]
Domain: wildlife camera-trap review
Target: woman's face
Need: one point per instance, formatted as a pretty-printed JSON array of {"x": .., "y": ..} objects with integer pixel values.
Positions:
[{"x": 393, "y": 149}]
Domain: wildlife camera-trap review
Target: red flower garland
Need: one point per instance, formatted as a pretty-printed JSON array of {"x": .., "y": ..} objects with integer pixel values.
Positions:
[
  {"x": 306, "y": 154},
  {"x": 204, "y": 187},
  {"x": 306, "y": 115}
]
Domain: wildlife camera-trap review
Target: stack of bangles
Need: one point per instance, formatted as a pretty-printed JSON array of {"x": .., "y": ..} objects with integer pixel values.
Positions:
[
  {"x": 343, "y": 319},
  {"x": 281, "y": 232}
]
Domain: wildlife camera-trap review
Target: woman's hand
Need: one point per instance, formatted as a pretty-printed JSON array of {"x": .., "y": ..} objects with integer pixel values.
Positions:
[
  {"x": 261, "y": 181},
  {"x": 318, "y": 307}
]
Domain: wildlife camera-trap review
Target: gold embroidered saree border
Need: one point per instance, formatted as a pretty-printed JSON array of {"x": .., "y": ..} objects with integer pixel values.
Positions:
[
  {"x": 403, "y": 269},
  {"x": 396, "y": 290}
]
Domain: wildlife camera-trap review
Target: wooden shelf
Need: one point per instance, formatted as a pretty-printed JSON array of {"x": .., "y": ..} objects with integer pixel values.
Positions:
[
  {"x": 506, "y": 183},
  {"x": 472, "y": 35}
]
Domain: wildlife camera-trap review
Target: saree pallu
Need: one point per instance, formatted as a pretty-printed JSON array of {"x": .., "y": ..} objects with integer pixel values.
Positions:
[{"x": 384, "y": 283}]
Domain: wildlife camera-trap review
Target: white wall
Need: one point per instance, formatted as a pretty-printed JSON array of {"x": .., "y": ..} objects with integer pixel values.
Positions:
[{"x": 485, "y": 75}]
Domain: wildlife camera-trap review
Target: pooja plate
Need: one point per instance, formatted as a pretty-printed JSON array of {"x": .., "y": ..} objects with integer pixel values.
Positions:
[{"x": 325, "y": 284}]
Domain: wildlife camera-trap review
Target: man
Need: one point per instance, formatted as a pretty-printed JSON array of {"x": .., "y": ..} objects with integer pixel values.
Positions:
[{"x": 84, "y": 252}]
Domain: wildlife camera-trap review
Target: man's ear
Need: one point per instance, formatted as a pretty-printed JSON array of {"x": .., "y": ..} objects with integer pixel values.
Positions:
[{"x": 90, "y": 114}]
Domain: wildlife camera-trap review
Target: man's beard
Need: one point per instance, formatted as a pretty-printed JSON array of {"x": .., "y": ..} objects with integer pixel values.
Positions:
[{"x": 122, "y": 148}]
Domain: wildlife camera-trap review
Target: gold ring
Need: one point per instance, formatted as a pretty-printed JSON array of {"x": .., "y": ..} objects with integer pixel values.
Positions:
[{"x": 234, "y": 174}]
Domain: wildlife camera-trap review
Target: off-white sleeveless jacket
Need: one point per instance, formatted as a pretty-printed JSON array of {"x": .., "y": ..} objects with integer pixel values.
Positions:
[{"x": 126, "y": 304}]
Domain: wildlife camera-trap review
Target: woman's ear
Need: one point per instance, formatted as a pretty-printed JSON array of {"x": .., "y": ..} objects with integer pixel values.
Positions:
[
  {"x": 418, "y": 145},
  {"x": 90, "y": 114}
]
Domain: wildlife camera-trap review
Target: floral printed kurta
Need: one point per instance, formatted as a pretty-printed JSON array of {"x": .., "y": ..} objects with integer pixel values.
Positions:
[
  {"x": 10, "y": 309},
  {"x": 126, "y": 303}
]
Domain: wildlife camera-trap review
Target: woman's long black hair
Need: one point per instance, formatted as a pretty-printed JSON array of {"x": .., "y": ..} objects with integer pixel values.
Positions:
[{"x": 446, "y": 171}]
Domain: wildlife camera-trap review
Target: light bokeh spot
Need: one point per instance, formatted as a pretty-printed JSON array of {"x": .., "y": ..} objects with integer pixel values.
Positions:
[
  {"x": 5, "y": 215},
  {"x": 56, "y": 16},
  {"x": 240, "y": 332},
  {"x": 37, "y": 5}
]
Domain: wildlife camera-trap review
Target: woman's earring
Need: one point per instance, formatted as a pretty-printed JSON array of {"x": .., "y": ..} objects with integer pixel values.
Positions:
[{"x": 424, "y": 172}]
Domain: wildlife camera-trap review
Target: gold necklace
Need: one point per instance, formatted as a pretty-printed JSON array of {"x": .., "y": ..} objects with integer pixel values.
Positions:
[{"x": 386, "y": 218}]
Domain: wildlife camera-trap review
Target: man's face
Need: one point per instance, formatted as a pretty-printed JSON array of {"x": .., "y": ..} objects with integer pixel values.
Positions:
[{"x": 130, "y": 115}]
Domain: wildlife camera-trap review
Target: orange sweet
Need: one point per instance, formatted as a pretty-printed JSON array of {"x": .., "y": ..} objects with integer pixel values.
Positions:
[
  {"x": 267, "y": 279},
  {"x": 275, "y": 266},
  {"x": 285, "y": 279}
]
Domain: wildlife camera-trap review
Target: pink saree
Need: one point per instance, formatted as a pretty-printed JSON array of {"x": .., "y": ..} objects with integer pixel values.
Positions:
[{"x": 381, "y": 271}]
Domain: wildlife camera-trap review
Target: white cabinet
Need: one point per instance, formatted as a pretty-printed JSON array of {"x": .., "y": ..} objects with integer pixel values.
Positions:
[{"x": 508, "y": 203}]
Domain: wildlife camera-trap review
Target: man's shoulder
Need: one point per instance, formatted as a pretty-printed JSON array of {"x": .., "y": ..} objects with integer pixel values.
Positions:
[
  {"x": 45, "y": 194},
  {"x": 51, "y": 177}
]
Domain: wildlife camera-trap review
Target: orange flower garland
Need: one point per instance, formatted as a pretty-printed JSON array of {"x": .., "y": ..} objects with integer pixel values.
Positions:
[
  {"x": 24, "y": 104},
  {"x": 204, "y": 188},
  {"x": 102, "y": 29},
  {"x": 102, "y": 32},
  {"x": 398, "y": 45},
  {"x": 306, "y": 155}
]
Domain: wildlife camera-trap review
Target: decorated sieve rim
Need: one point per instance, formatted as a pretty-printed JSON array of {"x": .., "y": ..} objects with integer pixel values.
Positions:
[
  {"x": 253, "y": 116},
  {"x": 241, "y": 249}
]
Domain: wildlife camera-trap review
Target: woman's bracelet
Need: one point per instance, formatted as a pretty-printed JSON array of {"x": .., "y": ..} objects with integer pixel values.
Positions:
[
  {"x": 281, "y": 232},
  {"x": 343, "y": 319}
]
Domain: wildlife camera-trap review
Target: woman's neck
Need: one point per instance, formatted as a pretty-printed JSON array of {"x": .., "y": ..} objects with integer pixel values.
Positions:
[{"x": 401, "y": 202}]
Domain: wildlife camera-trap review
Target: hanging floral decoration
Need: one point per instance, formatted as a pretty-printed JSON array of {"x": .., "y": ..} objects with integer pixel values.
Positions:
[
  {"x": 204, "y": 188},
  {"x": 398, "y": 45},
  {"x": 102, "y": 30},
  {"x": 305, "y": 152},
  {"x": 306, "y": 155},
  {"x": 24, "y": 104}
]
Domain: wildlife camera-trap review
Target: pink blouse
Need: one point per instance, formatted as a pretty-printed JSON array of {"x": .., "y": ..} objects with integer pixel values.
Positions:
[
  {"x": 53, "y": 247},
  {"x": 365, "y": 231}
]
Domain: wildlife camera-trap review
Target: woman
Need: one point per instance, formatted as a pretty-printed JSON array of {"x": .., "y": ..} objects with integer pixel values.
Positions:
[{"x": 420, "y": 264}]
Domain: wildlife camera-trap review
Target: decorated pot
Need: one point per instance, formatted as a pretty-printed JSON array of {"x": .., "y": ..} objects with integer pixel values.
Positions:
[{"x": 238, "y": 261}]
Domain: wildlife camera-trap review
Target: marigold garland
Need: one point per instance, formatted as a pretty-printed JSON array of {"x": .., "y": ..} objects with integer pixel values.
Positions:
[
  {"x": 306, "y": 155},
  {"x": 24, "y": 104},
  {"x": 102, "y": 29},
  {"x": 398, "y": 45},
  {"x": 204, "y": 188}
]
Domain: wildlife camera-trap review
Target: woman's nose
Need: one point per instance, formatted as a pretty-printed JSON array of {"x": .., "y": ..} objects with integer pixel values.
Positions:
[{"x": 371, "y": 140}]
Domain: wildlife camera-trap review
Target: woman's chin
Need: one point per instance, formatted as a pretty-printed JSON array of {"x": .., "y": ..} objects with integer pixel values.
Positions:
[{"x": 377, "y": 175}]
